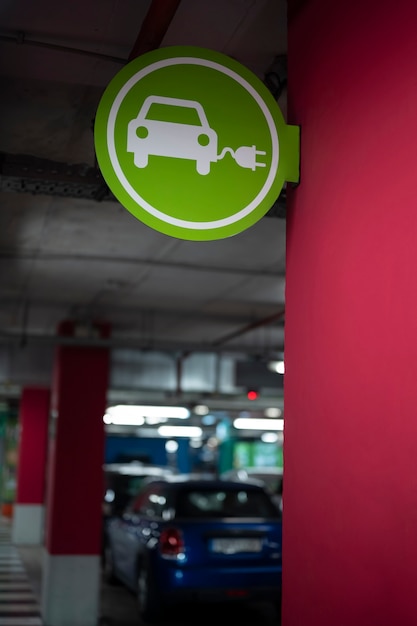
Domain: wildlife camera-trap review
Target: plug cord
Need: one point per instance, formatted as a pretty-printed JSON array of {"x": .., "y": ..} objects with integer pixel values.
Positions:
[{"x": 245, "y": 156}]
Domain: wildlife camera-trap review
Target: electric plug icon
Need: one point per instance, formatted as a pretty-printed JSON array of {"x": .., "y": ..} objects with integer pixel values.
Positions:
[{"x": 245, "y": 156}]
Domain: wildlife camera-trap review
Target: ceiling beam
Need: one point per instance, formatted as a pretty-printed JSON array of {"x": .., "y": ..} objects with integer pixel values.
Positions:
[
  {"x": 154, "y": 27},
  {"x": 13, "y": 340},
  {"x": 266, "y": 321},
  {"x": 55, "y": 257},
  {"x": 22, "y": 173}
]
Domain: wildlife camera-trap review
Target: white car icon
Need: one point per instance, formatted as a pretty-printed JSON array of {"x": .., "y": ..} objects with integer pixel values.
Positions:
[{"x": 147, "y": 136}]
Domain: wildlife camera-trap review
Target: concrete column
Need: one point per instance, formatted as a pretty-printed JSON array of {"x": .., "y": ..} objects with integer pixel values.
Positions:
[
  {"x": 28, "y": 516},
  {"x": 350, "y": 495},
  {"x": 70, "y": 594}
]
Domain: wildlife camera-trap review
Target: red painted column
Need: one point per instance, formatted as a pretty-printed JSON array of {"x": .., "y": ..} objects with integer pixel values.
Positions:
[
  {"x": 75, "y": 487},
  {"x": 350, "y": 496},
  {"x": 28, "y": 518}
]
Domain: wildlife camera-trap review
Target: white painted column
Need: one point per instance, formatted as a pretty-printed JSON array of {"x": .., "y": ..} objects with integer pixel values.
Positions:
[
  {"x": 28, "y": 524},
  {"x": 71, "y": 590}
]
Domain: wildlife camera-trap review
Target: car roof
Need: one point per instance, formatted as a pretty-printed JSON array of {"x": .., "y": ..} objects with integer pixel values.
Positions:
[
  {"x": 136, "y": 469},
  {"x": 179, "y": 481}
]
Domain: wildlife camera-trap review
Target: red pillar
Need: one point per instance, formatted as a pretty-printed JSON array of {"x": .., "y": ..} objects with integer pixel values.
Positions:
[
  {"x": 350, "y": 497},
  {"x": 28, "y": 518},
  {"x": 75, "y": 487}
]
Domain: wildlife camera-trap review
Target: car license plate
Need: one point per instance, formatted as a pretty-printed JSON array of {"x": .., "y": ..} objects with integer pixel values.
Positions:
[{"x": 234, "y": 545}]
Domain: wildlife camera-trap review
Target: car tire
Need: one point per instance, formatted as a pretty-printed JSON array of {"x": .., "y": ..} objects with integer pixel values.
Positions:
[
  {"x": 140, "y": 160},
  {"x": 147, "y": 596},
  {"x": 278, "y": 607},
  {"x": 109, "y": 572},
  {"x": 203, "y": 166}
]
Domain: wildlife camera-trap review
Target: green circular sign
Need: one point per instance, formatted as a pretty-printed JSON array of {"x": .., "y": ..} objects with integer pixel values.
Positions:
[{"x": 191, "y": 143}]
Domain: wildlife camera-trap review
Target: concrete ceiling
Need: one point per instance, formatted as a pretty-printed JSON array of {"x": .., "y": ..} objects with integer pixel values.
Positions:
[{"x": 68, "y": 250}]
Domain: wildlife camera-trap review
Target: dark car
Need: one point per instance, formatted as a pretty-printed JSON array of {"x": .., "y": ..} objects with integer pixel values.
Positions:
[
  {"x": 271, "y": 478},
  {"x": 123, "y": 480},
  {"x": 196, "y": 540}
]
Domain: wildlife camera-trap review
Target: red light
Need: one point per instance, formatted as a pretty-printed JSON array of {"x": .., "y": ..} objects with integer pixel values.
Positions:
[
  {"x": 171, "y": 543},
  {"x": 252, "y": 395}
]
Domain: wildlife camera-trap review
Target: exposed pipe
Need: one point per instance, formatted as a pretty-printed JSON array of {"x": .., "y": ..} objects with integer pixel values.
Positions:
[
  {"x": 25, "y": 318},
  {"x": 20, "y": 39},
  {"x": 154, "y": 26},
  {"x": 152, "y": 32},
  {"x": 246, "y": 329},
  {"x": 10, "y": 338},
  {"x": 179, "y": 370}
]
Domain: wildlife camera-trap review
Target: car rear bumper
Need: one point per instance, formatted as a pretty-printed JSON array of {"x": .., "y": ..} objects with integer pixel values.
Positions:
[
  {"x": 234, "y": 584},
  {"x": 232, "y": 594}
]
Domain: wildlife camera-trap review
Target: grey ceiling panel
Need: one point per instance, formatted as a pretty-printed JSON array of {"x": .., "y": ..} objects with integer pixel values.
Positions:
[{"x": 64, "y": 256}]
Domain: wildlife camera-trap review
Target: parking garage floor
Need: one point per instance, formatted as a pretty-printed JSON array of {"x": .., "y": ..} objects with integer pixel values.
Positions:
[
  {"x": 21, "y": 585},
  {"x": 18, "y": 599}
]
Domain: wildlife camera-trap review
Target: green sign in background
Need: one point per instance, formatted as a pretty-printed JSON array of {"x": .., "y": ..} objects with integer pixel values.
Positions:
[{"x": 252, "y": 151}]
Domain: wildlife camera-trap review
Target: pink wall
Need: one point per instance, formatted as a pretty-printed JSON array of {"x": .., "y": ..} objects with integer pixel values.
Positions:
[{"x": 350, "y": 508}]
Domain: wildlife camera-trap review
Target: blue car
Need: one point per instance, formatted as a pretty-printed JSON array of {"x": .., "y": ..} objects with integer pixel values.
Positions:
[{"x": 196, "y": 540}]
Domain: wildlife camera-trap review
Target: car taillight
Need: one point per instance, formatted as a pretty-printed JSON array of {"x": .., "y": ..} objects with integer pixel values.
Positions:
[{"x": 171, "y": 543}]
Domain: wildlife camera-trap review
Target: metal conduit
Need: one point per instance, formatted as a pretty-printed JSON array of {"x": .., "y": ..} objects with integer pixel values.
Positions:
[{"x": 151, "y": 34}]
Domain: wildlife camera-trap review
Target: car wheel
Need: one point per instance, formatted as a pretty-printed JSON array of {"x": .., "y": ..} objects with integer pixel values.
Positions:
[
  {"x": 277, "y": 607},
  {"x": 140, "y": 160},
  {"x": 203, "y": 166},
  {"x": 147, "y": 599},
  {"x": 108, "y": 566}
]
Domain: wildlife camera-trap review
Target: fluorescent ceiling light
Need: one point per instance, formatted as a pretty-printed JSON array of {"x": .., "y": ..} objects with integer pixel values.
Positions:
[
  {"x": 180, "y": 412},
  {"x": 134, "y": 415},
  {"x": 269, "y": 437},
  {"x": 124, "y": 420},
  {"x": 273, "y": 412},
  {"x": 153, "y": 419},
  {"x": 180, "y": 431},
  {"x": 247, "y": 423},
  {"x": 201, "y": 409},
  {"x": 277, "y": 366}
]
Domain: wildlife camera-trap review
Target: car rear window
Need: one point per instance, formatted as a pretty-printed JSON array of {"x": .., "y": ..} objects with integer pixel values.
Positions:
[{"x": 223, "y": 502}]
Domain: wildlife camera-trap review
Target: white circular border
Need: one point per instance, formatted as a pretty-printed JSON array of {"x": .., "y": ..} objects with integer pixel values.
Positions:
[{"x": 141, "y": 201}]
